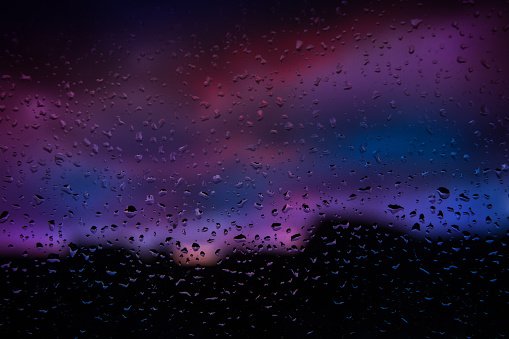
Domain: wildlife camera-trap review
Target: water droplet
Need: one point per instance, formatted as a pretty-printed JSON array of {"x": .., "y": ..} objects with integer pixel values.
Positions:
[
  {"x": 393, "y": 208},
  {"x": 276, "y": 226},
  {"x": 130, "y": 211},
  {"x": 443, "y": 192}
]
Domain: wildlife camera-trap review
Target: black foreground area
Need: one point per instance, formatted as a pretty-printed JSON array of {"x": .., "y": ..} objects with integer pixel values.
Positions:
[{"x": 349, "y": 283}]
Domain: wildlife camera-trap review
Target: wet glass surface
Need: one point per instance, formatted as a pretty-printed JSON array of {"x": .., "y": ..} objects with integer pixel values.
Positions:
[{"x": 285, "y": 169}]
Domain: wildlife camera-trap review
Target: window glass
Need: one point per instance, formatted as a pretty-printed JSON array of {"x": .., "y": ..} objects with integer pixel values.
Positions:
[{"x": 245, "y": 169}]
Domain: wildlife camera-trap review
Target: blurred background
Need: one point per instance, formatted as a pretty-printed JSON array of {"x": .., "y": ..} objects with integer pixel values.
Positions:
[{"x": 240, "y": 169}]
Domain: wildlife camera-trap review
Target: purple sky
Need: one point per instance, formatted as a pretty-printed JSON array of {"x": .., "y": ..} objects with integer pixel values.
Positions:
[{"x": 245, "y": 128}]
